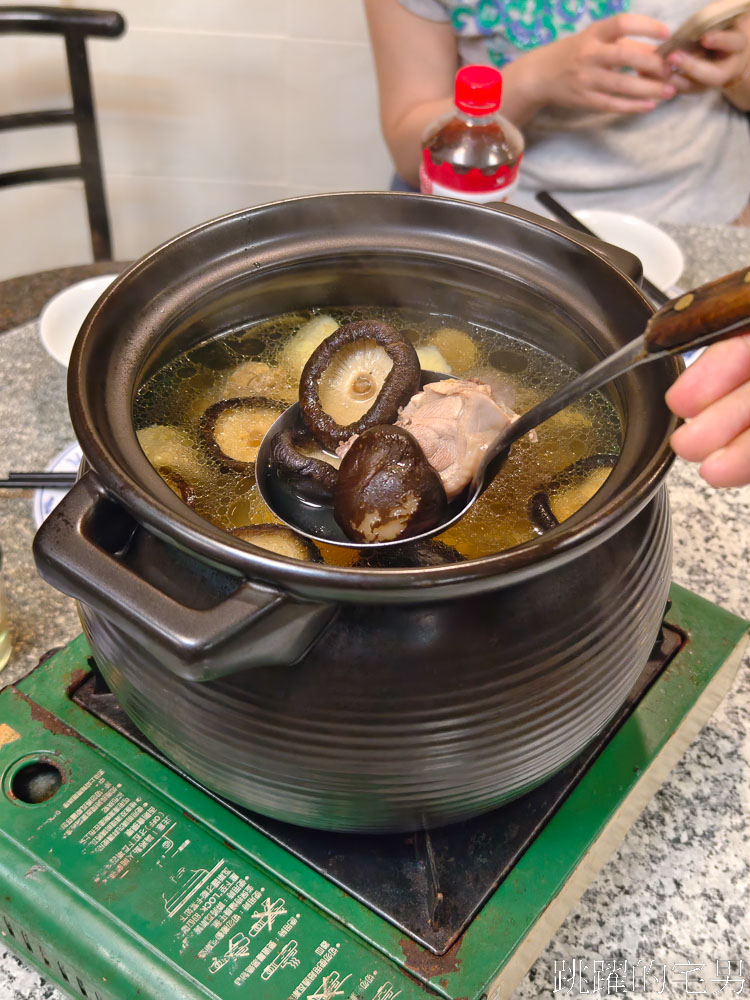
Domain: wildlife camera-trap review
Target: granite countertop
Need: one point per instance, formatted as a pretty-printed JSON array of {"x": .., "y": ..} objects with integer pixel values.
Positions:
[{"x": 678, "y": 889}]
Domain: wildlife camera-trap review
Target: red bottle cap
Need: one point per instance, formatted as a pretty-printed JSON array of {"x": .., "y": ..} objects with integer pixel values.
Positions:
[{"x": 478, "y": 89}]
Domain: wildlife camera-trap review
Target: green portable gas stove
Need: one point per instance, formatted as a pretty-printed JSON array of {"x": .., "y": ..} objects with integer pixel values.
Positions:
[{"x": 121, "y": 877}]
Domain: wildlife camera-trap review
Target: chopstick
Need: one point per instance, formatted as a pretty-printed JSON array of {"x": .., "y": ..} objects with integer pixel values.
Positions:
[
  {"x": 546, "y": 199},
  {"x": 38, "y": 480},
  {"x": 46, "y": 476}
]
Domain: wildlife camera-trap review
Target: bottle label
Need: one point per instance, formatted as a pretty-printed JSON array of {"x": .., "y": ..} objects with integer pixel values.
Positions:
[
  {"x": 471, "y": 185},
  {"x": 480, "y": 197}
]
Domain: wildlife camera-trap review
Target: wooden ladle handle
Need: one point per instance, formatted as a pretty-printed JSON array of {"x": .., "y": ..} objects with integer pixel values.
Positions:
[{"x": 718, "y": 307}]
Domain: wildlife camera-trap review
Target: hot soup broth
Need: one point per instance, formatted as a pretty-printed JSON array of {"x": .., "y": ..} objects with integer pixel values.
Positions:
[{"x": 266, "y": 361}]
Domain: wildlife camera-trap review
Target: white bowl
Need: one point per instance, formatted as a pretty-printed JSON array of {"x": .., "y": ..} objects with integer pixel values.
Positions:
[
  {"x": 63, "y": 316},
  {"x": 661, "y": 257},
  {"x": 46, "y": 499}
]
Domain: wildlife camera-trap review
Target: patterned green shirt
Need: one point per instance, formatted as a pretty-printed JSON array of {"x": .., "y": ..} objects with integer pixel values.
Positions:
[
  {"x": 501, "y": 29},
  {"x": 508, "y": 26},
  {"x": 688, "y": 160}
]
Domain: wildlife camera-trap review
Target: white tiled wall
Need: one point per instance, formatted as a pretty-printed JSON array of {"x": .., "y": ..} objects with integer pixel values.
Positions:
[{"x": 204, "y": 106}]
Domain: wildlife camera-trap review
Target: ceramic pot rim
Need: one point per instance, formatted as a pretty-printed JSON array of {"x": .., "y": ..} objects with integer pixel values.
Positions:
[{"x": 129, "y": 479}]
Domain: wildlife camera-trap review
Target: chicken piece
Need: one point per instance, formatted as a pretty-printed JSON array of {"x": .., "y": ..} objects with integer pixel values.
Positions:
[{"x": 455, "y": 421}]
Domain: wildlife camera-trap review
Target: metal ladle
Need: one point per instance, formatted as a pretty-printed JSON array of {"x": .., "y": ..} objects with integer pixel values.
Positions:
[{"x": 718, "y": 310}]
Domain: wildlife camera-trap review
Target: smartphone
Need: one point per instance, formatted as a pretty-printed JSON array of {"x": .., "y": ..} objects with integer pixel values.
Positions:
[{"x": 716, "y": 16}]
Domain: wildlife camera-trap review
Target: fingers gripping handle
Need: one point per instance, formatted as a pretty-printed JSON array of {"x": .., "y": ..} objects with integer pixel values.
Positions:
[{"x": 252, "y": 626}]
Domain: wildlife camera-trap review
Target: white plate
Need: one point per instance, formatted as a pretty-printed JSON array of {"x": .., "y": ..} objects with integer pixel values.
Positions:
[
  {"x": 661, "y": 257},
  {"x": 45, "y": 500},
  {"x": 62, "y": 317}
]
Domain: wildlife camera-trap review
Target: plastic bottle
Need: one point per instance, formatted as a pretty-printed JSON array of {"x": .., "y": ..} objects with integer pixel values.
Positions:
[
  {"x": 5, "y": 644},
  {"x": 473, "y": 152}
]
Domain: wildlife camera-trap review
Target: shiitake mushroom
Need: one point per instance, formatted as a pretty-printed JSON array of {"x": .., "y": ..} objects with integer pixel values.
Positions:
[
  {"x": 356, "y": 378},
  {"x": 233, "y": 429},
  {"x": 299, "y": 459},
  {"x": 256, "y": 378},
  {"x": 279, "y": 539},
  {"x": 426, "y": 552},
  {"x": 540, "y": 510},
  {"x": 178, "y": 484},
  {"x": 166, "y": 445},
  {"x": 386, "y": 489},
  {"x": 296, "y": 351}
]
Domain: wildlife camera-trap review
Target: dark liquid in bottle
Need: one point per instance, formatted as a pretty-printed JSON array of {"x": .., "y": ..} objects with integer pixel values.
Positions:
[{"x": 484, "y": 146}]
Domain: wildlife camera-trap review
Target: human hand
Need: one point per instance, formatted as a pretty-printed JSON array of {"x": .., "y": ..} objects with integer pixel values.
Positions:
[
  {"x": 714, "y": 396},
  {"x": 585, "y": 70},
  {"x": 726, "y": 61}
]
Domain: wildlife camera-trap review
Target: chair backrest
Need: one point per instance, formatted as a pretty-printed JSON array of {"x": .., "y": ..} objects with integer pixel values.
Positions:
[{"x": 74, "y": 26}]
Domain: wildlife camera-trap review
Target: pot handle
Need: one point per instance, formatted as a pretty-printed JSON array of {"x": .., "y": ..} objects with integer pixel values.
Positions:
[
  {"x": 715, "y": 311},
  {"x": 89, "y": 547}
]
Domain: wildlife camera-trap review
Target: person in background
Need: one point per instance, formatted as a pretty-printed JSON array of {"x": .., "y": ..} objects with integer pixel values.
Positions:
[{"x": 608, "y": 122}]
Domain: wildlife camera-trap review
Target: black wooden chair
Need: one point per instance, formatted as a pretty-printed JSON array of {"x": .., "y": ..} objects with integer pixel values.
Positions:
[{"x": 74, "y": 26}]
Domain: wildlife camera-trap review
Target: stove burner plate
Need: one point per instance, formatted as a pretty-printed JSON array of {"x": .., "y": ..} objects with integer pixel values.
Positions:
[{"x": 430, "y": 884}]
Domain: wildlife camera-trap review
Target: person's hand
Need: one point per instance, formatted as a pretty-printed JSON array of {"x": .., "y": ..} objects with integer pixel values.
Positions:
[
  {"x": 603, "y": 69},
  {"x": 726, "y": 62},
  {"x": 714, "y": 396}
]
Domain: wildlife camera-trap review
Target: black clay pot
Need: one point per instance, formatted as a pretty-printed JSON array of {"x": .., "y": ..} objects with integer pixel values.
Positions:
[{"x": 363, "y": 699}]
